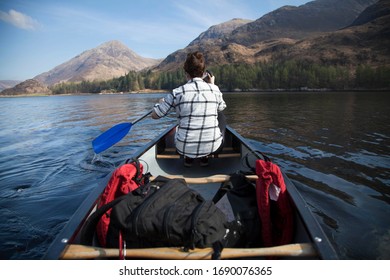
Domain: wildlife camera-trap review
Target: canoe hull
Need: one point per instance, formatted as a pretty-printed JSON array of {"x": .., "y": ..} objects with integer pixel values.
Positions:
[{"x": 159, "y": 157}]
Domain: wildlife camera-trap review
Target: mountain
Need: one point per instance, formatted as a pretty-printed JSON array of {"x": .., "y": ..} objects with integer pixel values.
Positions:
[
  {"x": 299, "y": 22},
  {"x": 273, "y": 33},
  {"x": 27, "y": 87},
  {"x": 4, "y": 84},
  {"x": 109, "y": 60},
  {"x": 365, "y": 42},
  {"x": 205, "y": 42},
  {"x": 378, "y": 10},
  {"x": 219, "y": 31}
]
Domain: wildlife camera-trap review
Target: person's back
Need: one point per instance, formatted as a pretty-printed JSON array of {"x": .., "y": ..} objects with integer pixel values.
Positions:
[{"x": 197, "y": 105}]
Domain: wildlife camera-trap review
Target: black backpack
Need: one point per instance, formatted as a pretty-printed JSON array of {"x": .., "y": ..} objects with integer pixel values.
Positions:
[
  {"x": 237, "y": 199},
  {"x": 164, "y": 212}
]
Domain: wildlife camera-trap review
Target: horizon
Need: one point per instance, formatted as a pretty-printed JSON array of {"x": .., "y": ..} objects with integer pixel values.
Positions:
[{"x": 40, "y": 35}]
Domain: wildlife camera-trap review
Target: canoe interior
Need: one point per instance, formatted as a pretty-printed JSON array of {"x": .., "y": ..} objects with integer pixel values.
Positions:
[
  {"x": 162, "y": 159},
  {"x": 159, "y": 157}
]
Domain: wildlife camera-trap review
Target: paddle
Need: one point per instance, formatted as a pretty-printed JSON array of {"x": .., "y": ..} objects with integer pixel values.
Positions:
[
  {"x": 113, "y": 135},
  {"x": 291, "y": 250}
]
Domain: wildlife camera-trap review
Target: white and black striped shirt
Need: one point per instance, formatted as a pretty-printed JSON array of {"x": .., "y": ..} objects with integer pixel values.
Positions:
[{"x": 197, "y": 104}]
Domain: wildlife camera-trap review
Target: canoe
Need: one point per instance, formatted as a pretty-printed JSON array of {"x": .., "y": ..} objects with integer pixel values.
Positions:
[{"x": 159, "y": 157}]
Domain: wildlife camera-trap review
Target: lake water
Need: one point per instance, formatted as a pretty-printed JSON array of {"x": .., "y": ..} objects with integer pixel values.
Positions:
[{"x": 334, "y": 146}]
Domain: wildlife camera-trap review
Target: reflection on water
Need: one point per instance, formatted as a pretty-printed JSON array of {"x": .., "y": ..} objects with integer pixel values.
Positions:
[
  {"x": 338, "y": 133},
  {"x": 335, "y": 147}
]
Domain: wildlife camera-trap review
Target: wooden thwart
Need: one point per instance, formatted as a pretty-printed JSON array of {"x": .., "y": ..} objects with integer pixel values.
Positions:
[
  {"x": 167, "y": 253},
  {"x": 220, "y": 178},
  {"x": 171, "y": 153},
  {"x": 167, "y": 156},
  {"x": 176, "y": 156}
]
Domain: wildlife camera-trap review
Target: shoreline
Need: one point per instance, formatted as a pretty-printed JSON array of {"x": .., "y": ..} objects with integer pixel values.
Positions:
[{"x": 237, "y": 91}]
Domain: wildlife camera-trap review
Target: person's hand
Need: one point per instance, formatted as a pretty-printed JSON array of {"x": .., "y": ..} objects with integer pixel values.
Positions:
[{"x": 210, "y": 78}]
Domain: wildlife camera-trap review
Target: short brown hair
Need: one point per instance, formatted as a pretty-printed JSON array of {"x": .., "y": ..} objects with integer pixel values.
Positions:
[{"x": 195, "y": 64}]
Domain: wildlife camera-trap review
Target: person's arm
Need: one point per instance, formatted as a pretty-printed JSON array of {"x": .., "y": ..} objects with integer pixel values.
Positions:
[
  {"x": 154, "y": 115},
  {"x": 211, "y": 80},
  {"x": 162, "y": 108}
]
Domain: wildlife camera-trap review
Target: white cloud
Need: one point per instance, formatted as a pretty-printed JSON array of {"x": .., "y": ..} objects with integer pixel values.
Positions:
[{"x": 19, "y": 20}]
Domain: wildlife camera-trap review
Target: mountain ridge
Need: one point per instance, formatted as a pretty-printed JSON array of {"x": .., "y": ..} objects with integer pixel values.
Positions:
[
  {"x": 109, "y": 60},
  {"x": 299, "y": 22},
  {"x": 364, "y": 42},
  {"x": 4, "y": 84},
  {"x": 276, "y": 31},
  {"x": 362, "y": 39},
  {"x": 29, "y": 86}
]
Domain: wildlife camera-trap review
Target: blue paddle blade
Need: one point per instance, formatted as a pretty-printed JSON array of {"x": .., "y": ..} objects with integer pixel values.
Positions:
[{"x": 110, "y": 137}]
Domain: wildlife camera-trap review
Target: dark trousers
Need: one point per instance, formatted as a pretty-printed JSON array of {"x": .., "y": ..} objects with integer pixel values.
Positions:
[{"x": 222, "y": 127}]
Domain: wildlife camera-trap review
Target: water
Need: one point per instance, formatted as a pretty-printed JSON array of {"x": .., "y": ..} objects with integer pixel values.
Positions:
[{"x": 335, "y": 147}]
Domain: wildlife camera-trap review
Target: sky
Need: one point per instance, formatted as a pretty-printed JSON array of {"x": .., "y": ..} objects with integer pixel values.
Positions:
[{"x": 38, "y": 35}]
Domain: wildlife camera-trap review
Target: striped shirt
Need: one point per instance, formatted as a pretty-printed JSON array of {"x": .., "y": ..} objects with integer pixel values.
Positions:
[{"x": 197, "y": 104}]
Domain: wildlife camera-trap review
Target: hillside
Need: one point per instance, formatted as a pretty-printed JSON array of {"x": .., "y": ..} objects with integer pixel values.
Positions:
[
  {"x": 109, "y": 60},
  {"x": 378, "y": 10},
  {"x": 365, "y": 42},
  {"x": 27, "y": 87},
  {"x": 206, "y": 42},
  {"x": 272, "y": 34},
  {"x": 4, "y": 84},
  {"x": 220, "y": 31},
  {"x": 300, "y": 22}
]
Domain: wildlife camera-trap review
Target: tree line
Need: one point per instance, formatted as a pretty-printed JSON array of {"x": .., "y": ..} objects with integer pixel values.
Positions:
[{"x": 286, "y": 75}]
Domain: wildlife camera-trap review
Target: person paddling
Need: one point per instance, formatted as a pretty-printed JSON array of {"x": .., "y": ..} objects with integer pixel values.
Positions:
[{"x": 198, "y": 105}]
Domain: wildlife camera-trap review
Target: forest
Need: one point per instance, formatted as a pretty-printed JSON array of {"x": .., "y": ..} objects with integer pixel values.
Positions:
[{"x": 289, "y": 75}]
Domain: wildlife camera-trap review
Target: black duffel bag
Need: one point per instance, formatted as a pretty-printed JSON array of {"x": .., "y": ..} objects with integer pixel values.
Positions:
[{"x": 164, "y": 212}]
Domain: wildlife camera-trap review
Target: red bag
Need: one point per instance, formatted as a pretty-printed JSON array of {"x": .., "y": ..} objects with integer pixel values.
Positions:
[
  {"x": 125, "y": 179},
  {"x": 277, "y": 222}
]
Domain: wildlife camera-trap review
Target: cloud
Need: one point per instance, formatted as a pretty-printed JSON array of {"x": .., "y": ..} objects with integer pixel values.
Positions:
[{"x": 19, "y": 20}]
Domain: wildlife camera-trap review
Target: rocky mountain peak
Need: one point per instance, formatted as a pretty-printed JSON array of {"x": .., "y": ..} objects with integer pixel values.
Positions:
[
  {"x": 109, "y": 60},
  {"x": 114, "y": 48},
  {"x": 219, "y": 31}
]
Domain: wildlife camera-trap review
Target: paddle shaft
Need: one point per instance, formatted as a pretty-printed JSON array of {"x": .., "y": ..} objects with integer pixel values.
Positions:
[
  {"x": 75, "y": 251},
  {"x": 142, "y": 117}
]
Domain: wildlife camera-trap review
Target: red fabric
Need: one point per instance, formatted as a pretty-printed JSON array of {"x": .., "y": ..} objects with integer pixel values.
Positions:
[
  {"x": 277, "y": 222},
  {"x": 121, "y": 182}
]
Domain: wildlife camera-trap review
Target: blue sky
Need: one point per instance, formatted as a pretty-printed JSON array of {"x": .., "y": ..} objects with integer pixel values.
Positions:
[{"x": 37, "y": 35}]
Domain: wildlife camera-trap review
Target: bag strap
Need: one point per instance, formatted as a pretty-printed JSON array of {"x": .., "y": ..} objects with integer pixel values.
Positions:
[
  {"x": 89, "y": 228},
  {"x": 227, "y": 186},
  {"x": 217, "y": 246},
  {"x": 253, "y": 169},
  {"x": 194, "y": 220},
  {"x": 136, "y": 163}
]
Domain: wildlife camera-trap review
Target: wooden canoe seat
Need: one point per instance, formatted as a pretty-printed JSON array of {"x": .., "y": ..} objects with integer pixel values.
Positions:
[
  {"x": 219, "y": 178},
  {"x": 171, "y": 153},
  {"x": 165, "y": 148}
]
